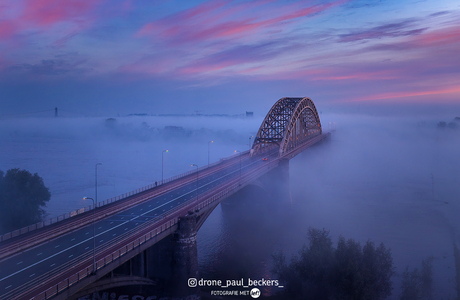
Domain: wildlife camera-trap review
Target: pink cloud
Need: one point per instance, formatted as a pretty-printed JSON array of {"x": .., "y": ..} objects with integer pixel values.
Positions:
[
  {"x": 439, "y": 37},
  {"x": 409, "y": 94},
  {"x": 359, "y": 75},
  {"x": 43, "y": 14},
  {"x": 427, "y": 39},
  {"x": 356, "y": 75},
  {"x": 167, "y": 27},
  {"x": 217, "y": 20},
  {"x": 49, "y": 12},
  {"x": 153, "y": 65},
  {"x": 7, "y": 29},
  {"x": 47, "y": 21}
]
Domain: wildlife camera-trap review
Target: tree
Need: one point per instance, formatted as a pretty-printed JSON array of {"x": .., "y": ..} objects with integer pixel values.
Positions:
[
  {"x": 22, "y": 199},
  {"x": 418, "y": 285},
  {"x": 346, "y": 272}
]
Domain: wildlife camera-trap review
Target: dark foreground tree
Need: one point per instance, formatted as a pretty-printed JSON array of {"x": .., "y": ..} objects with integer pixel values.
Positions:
[
  {"x": 418, "y": 285},
  {"x": 346, "y": 272},
  {"x": 22, "y": 199}
]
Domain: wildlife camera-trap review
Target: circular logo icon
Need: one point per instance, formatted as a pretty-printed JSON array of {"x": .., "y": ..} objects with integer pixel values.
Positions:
[
  {"x": 255, "y": 293},
  {"x": 192, "y": 282}
]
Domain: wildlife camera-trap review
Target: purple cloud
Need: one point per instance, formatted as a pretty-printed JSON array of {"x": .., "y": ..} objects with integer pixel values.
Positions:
[{"x": 382, "y": 31}]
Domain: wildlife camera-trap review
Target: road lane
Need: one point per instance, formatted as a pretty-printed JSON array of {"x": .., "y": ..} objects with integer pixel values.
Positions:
[{"x": 24, "y": 267}]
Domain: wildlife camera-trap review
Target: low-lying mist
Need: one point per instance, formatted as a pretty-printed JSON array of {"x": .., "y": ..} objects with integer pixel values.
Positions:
[
  {"x": 388, "y": 179},
  {"x": 394, "y": 180},
  {"x": 64, "y": 151}
]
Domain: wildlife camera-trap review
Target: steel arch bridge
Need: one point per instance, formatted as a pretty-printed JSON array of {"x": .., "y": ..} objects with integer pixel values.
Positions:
[{"x": 289, "y": 123}]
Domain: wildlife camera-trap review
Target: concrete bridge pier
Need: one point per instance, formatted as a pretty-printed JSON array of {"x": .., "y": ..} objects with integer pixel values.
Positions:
[
  {"x": 283, "y": 171},
  {"x": 185, "y": 259}
]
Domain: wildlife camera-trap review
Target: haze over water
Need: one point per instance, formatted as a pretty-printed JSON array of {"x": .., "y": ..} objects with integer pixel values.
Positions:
[{"x": 372, "y": 180}]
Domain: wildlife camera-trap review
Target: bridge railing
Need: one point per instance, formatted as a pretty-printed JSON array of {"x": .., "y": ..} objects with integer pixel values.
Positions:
[
  {"x": 68, "y": 215},
  {"x": 82, "y": 274}
]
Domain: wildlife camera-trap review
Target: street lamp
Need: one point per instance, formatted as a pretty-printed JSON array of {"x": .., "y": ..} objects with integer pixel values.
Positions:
[
  {"x": 98, "y": 164},
  {"x": 194, "y": 165},
  {"x": 162, "y": 164},
  {"x": 94, "y": 235},
  {"x": 209, "y": 143}
]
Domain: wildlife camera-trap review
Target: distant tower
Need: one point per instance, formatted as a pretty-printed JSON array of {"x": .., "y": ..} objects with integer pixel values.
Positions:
[{"x": 55, "y": 112}]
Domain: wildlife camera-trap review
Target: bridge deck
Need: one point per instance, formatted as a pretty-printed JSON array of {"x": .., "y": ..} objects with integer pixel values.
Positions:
[{"x": 55, "y": 258}]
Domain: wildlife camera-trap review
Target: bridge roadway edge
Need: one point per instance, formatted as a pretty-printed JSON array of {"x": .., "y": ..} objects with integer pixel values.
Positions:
[
  {"x": 130, "y": 254},
  {"x": 172, "y": 228},
  {"x": 12, "y": 247}
]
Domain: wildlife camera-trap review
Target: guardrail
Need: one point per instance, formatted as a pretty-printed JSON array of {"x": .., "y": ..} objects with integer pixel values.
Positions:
[
  {"x": 77, "y": 277},
  {"x": 65, "y": 216},
  {"x": 126, "y": 248}
]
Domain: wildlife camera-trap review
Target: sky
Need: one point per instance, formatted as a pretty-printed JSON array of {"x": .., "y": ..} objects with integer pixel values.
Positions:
[{"x": 100, "y": 57}]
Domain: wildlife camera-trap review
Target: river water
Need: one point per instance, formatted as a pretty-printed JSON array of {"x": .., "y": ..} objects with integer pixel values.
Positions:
[{"x": 391, "y": 180}]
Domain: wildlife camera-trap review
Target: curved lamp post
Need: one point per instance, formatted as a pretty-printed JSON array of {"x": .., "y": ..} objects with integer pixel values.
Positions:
[{"x": 162, "y": 164}]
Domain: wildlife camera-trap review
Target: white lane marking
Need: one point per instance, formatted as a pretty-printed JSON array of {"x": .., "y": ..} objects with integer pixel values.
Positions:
[
  {"x": 114, "y": 234},
  {"x": 111, "y": 222},
  {"x": 121, "y": 224},
  {"x": 100, "y": 227},
  {"x": 126, "y": 228},
  {"x": 86, "y": 248},
  {"x": 136, "y": 224},
  {"x": 32, "y": 275},
  {"x": 52, "y": 265},
  {"x": 101, "y": 241},
  {"x": 39, "y": 253},
  {"x": 87, "y": 232},
  {"x": 56, "y": 247},
  {"x": 19, "y": 263},
  {"x": 70, "y": 255},
  {"x": 122, "y": 218},
  {"x": 8, "y": 287},
  {"x": 72, "y": 240}
]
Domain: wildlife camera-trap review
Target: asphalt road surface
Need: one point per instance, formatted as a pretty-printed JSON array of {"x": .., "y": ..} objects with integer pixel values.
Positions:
[{"x": 24, "y": 270}]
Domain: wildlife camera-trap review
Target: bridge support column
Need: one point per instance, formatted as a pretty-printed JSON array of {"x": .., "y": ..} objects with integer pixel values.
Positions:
[
  {"x": 276, "y": 181},
  {"x": 283, "y": 170},
  {"x": 185, "y": 258},
  {"x": 138, "y": 265}
]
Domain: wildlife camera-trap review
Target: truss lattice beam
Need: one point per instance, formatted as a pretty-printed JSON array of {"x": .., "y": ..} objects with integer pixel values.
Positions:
[{"x": 290, "y": 122}]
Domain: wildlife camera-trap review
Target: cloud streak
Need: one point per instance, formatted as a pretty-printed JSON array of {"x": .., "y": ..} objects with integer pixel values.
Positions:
[
  {"x": 334, "y": 47},
  {"x": 225, "y": 20},
  {"x": 454, "y": 90},
  {"x": 383, "y": 31}
]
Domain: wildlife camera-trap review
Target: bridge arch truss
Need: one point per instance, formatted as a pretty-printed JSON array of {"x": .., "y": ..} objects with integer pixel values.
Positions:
[{"x": 289, "y": 123}]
